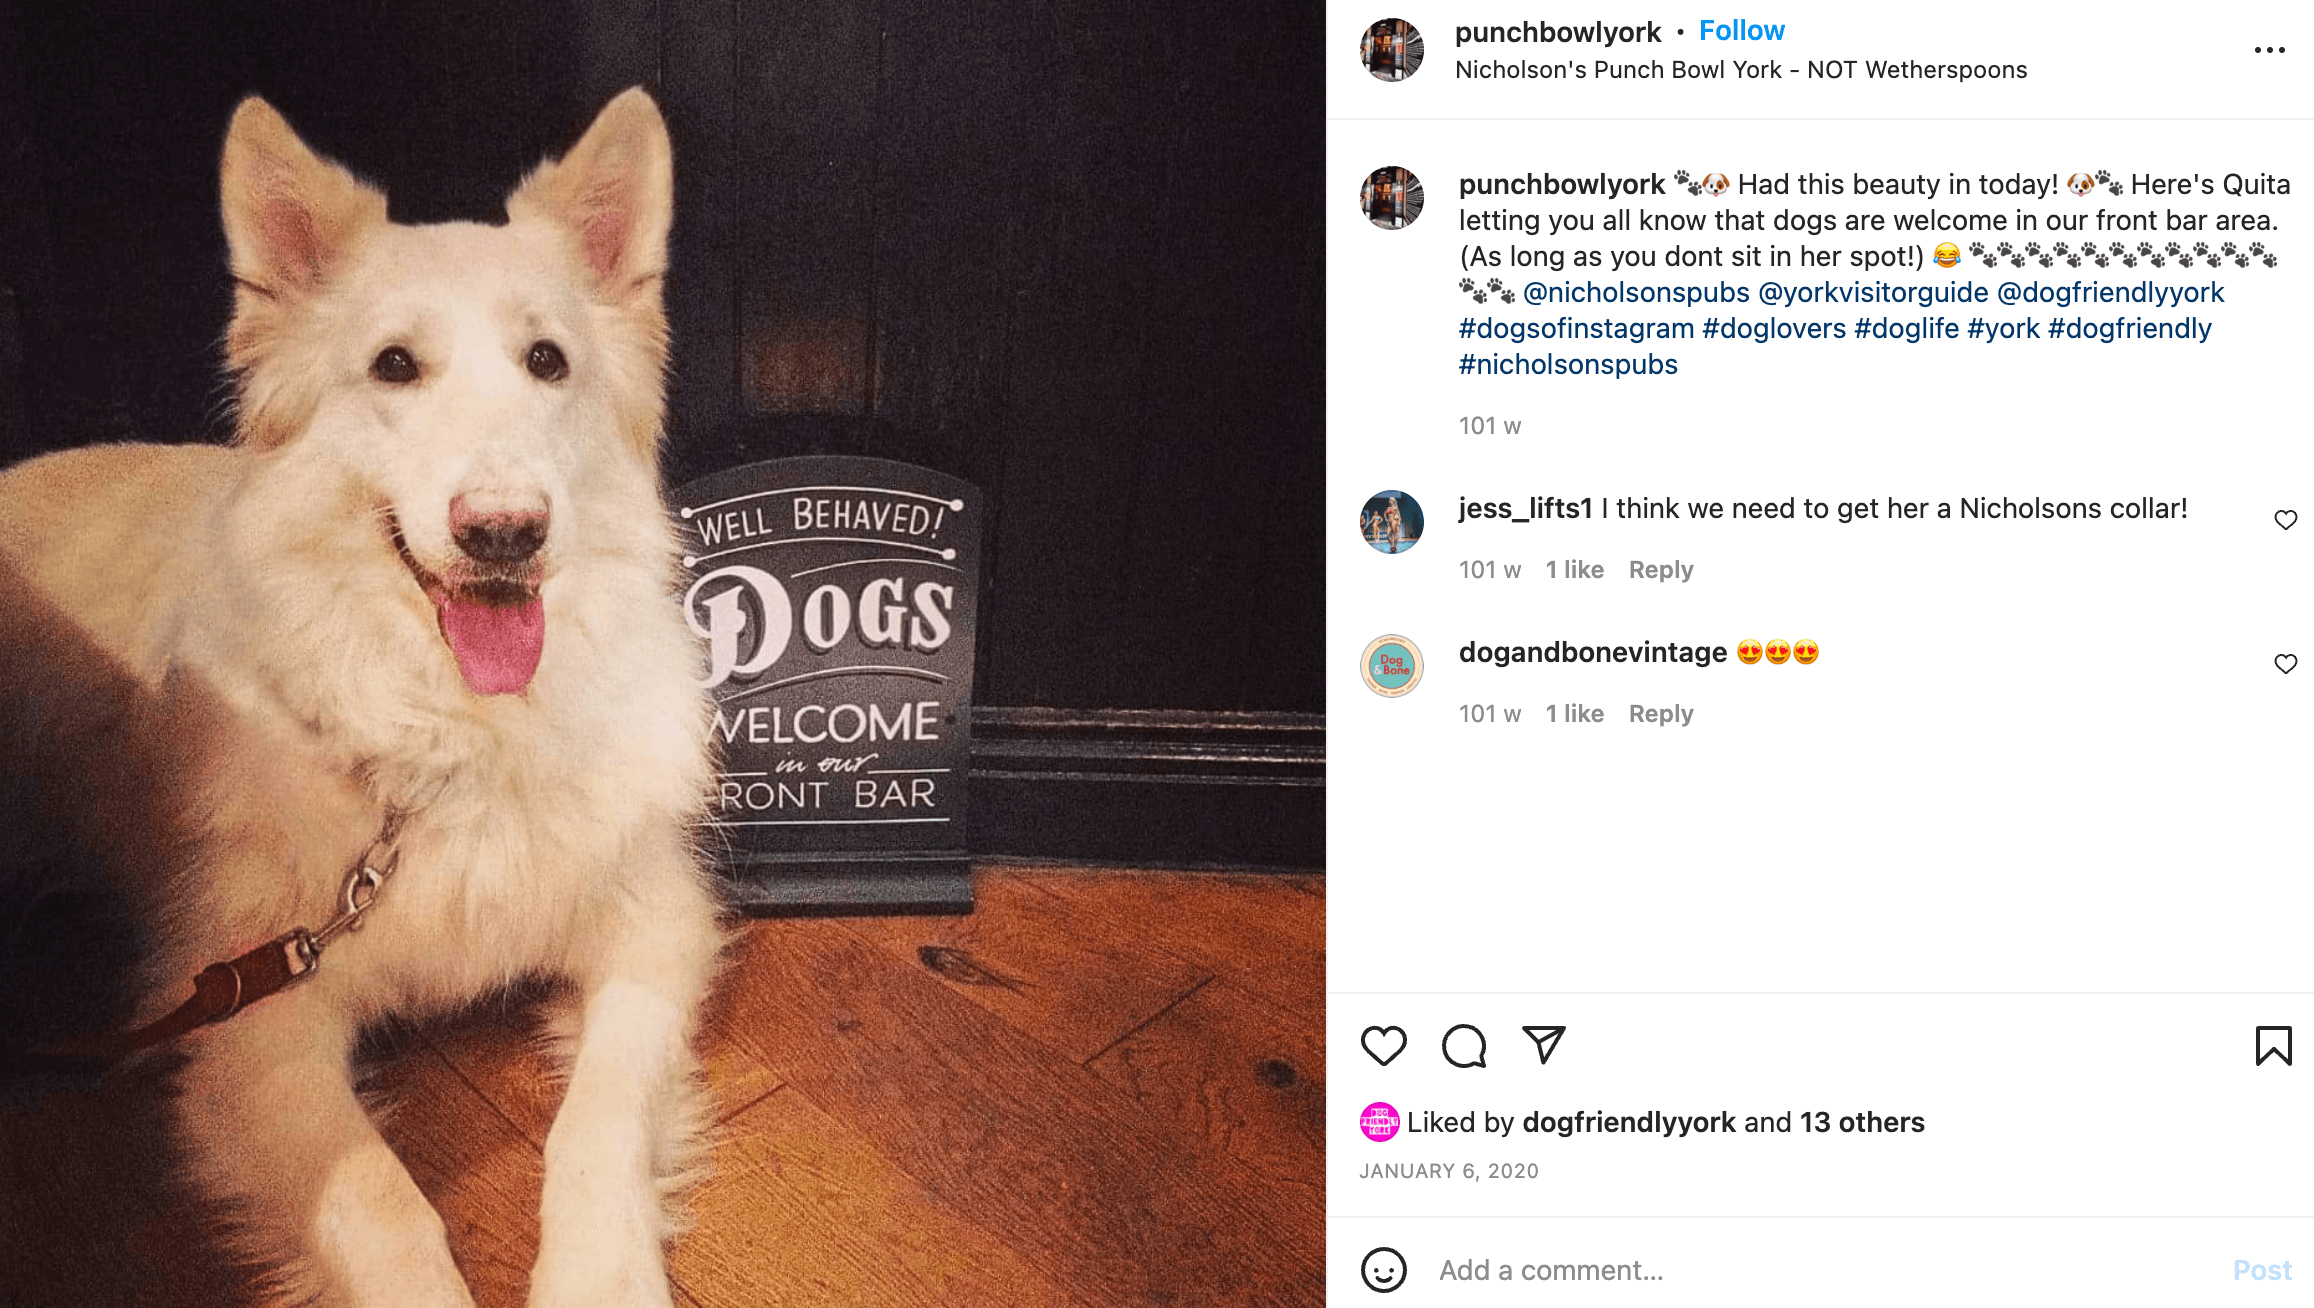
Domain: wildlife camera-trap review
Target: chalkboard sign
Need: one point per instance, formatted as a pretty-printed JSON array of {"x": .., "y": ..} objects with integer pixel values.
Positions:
[{"x": 836, "y": 600}]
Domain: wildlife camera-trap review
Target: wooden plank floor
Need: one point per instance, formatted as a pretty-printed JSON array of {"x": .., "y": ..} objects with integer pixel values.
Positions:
[{"x": 1101, "y": 1089}]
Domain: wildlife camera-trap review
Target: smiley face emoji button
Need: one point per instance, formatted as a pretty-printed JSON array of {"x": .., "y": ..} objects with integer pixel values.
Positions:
[
  {"x": 1749, "y": 651},
  {"x": 1947, "y": 255},
  {"x": 1383, "y": 1269},
  {"x": 1778, "y": 651},
  {"x": 1804, "y": 651}
]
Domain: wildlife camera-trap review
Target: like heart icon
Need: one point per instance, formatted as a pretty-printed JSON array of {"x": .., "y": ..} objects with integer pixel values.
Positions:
[
  {"x": 1383, "y": 1043},
  {"x": 2287, "y": 517},
  {"x": 2288, "y": 663}
]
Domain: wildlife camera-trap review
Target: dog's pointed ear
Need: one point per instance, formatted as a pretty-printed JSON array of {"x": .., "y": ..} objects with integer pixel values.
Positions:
[
  {"x": 614, "y": 193},
  {"x": 290, "y": 215}
]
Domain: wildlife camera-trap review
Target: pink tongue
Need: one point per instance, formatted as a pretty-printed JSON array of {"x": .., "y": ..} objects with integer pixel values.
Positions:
[{"x": 497, "y": 646}]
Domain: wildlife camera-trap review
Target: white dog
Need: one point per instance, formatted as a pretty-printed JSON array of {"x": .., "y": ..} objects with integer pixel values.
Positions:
[{"x": 427, "y": 597}]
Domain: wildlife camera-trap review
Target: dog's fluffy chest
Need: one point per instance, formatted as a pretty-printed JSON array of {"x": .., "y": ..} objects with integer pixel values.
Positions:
[{"x": 478, "y": 900}]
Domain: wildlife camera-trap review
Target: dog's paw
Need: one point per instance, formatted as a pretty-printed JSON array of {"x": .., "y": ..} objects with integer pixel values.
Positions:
[
  {"x": 600, "y": 1279},
  {"x": 375, "y": 1242},
  {"x": 628, "y": 1293}
]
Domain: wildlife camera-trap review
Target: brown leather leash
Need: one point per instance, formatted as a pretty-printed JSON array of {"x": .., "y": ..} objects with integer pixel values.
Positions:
[{"x": 222, "y": 989}]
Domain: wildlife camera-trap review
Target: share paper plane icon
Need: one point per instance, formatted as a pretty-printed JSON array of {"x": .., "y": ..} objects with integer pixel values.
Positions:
[{"x": 1546, "y": 1039}]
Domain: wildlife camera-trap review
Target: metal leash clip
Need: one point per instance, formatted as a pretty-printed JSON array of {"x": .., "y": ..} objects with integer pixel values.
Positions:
[{"x": 303, "y": 948}]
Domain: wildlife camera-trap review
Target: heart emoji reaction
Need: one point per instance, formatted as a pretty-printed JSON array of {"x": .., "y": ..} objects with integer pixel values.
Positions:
[{"x": 1383, "y": 1043}]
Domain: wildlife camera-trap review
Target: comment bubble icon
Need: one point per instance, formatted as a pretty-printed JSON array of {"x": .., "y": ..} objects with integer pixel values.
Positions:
[{"x": 1464, "y": 1045}]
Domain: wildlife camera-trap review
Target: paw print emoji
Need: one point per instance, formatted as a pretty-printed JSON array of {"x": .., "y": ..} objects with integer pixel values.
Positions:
[
  {"x": 2129, "y": 261},
  {"x": 2257, "y": 247},
  {"x": 1507, "y": 297},
  {"x": 2016, "y": 261},
  {"x": 2104, "y": 261},
  {"x": 1976, "y": 248},
  {"x": 1494, "y": 283},
  {"x": 2114, "y": 187},
  {"x": 2058, "y": 249},
  {"x": 2173, "y": 249},
  {"x": 2046, "y": 260},
  {"x": 2156, "y": 259},
  {"x": 1680, "y": 177},
  {"x": 2072, "y": 260},
  {"x": 2103, "y": 176},
  {"x": 2228, "y": 249},
  {"x": 1468, "y": 284},
  {"x": 2145, "y": 247},
  {"x": 2201, "y": 247},
  {"x": 2269, "y": 261}
]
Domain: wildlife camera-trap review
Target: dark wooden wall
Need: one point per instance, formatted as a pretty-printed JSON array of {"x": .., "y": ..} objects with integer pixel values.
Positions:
[{"x": 1071, "y": 253}]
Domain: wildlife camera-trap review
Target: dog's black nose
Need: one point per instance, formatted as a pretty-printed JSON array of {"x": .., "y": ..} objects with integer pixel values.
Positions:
[
  {"x": 496, "y": 537},
  {"x": 503, "y": 539}
]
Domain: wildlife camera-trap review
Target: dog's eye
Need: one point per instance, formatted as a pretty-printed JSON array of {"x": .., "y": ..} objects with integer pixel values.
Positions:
[
  {"x": 394, "y": 366},
  {"x": 546, "y": 362}
]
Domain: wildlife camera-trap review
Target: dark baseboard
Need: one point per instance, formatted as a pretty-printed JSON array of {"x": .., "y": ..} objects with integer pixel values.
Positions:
[
  {"x": 1149, "y": 788},
  {"x": 841, "y": 888}
]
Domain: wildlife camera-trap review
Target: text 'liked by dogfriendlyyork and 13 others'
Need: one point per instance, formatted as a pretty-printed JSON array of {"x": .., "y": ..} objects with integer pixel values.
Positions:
[{"x": 1816, "y": 597}]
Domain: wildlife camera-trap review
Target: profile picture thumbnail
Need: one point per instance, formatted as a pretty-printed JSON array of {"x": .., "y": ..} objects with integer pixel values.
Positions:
[
  {"x": 1391, "y": 50},
  {"x": 1391, "y": 522},
  {"x": 1391, "y": 198},
  {"x": 1392, "y": 666}
]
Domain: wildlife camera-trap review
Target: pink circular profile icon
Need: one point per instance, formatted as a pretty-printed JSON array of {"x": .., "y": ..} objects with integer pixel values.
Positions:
[{"x": 1379, "y": 1122}]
